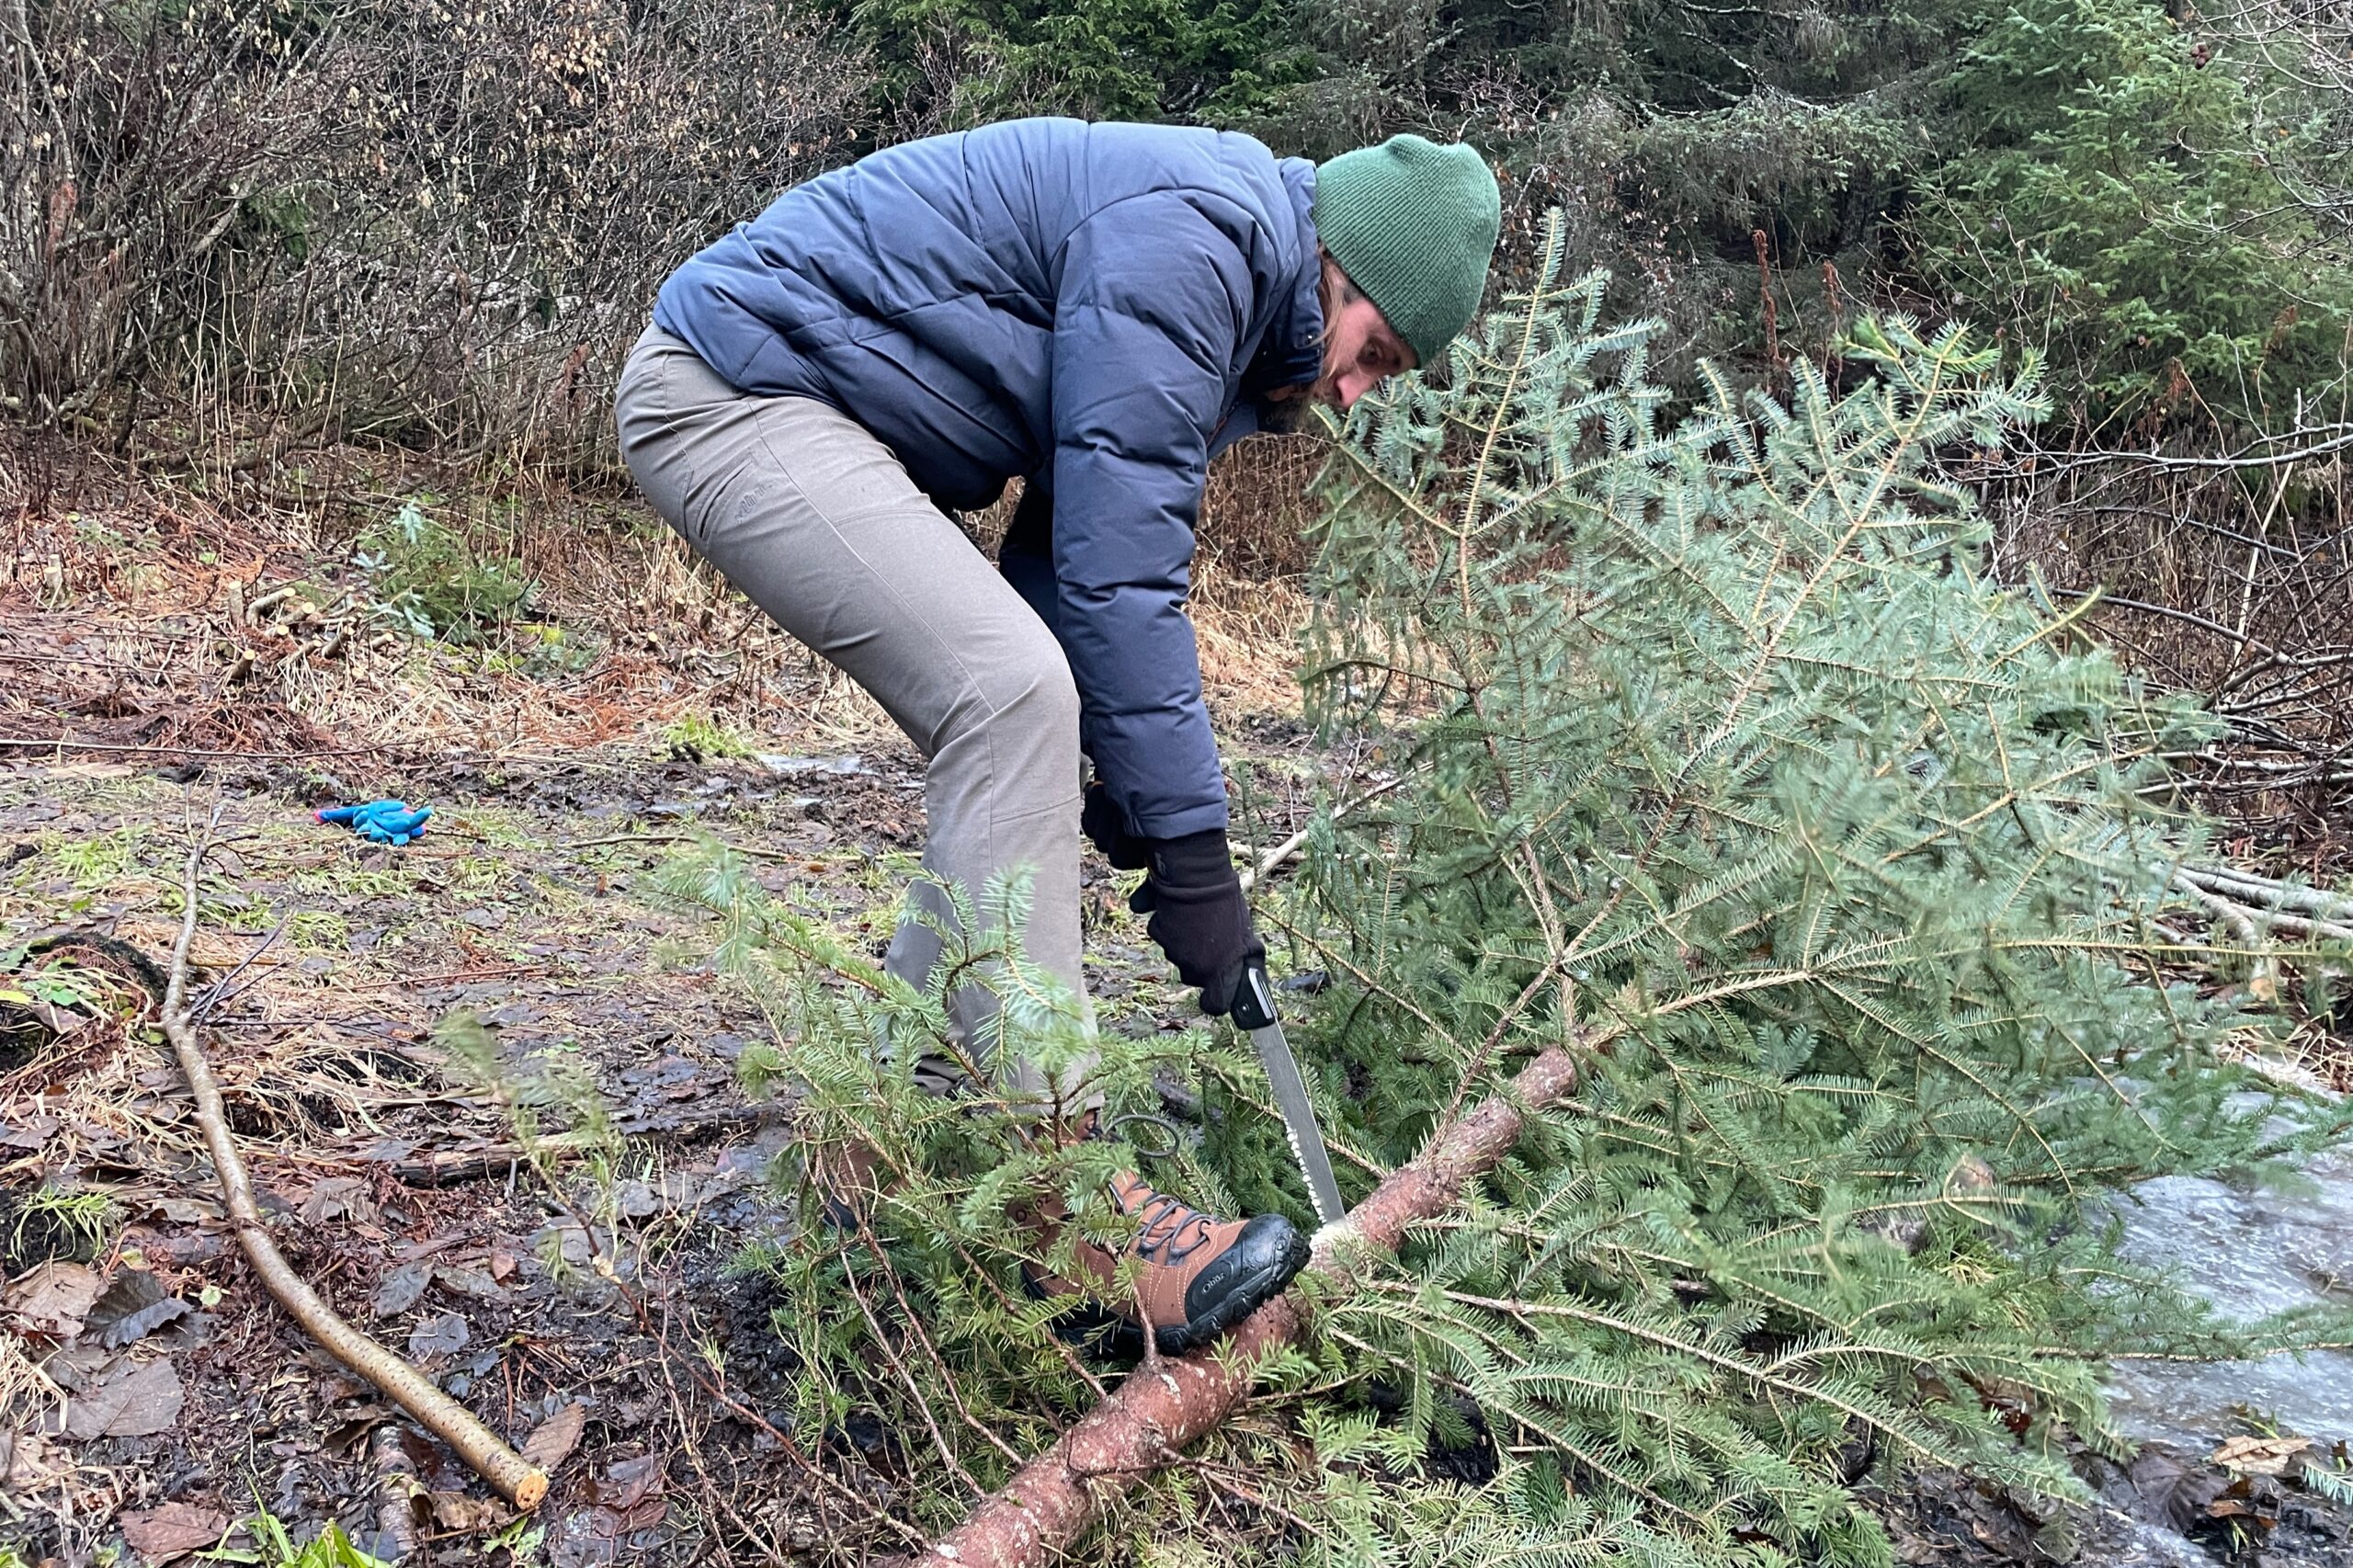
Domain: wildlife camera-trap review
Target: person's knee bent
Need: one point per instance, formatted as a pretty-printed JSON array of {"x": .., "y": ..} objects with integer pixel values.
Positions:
[{"x": 1031, "y": 708}]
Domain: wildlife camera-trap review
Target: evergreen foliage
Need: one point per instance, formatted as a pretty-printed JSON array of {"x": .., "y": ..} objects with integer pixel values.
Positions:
[
  {"x": 953, "y": 63},
  {"x": 1719, "y": 757},
  {"x": 2154, "y": 201},
  {"x": 1838, "y": 861},
  {"x": 2111, "y": 180}
]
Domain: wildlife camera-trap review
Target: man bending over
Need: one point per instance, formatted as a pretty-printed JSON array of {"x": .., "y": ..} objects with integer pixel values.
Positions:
[{"x": 1098, "y": 309}]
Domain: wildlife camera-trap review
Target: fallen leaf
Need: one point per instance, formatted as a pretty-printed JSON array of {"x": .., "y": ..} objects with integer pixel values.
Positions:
[
  {"x": 456, "y": 1511},
  {"x": 53, "y": 1300},
  {"x": 625, "y": 1485},
  {"x": 2170, "y": 1490},
  {"x": 556, "y": 1438},
  {"x": 587, "y": 1538},
  {"x": 29, "y": 1465},
  {"x": 30, "y": 1133},
  {"x": 159, "y": 1534},
  {"x": 58, "y": 1021},
  {"x": 343, "y": 1440},
  {"x": 133, "y": 1307},
  {"x": 444, "y": 1335},
  {"x": 427, "y": 1248},
  {"x": 127, "y": 1401},
  {"x": 402, "y": 1288},
  {"x": 2260, "y": 1456},
  {"x": 340, "y": 1198},
  {"x": 501, "y": 1264},
  {"x": 182, "y": 1210}
]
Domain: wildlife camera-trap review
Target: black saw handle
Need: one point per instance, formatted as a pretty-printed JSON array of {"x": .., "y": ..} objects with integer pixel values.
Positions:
[{"x": 1254, "y": 999}]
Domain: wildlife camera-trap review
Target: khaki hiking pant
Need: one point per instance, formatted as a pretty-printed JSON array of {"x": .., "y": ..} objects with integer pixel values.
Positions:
[{"x": 819, "y": 524}]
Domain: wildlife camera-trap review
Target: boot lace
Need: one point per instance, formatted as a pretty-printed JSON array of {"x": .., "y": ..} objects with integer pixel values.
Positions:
[{"x": 1164, "y": 1223}]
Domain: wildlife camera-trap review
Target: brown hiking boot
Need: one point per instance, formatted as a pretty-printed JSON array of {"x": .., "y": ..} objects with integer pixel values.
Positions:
[{"x": 1198, "y": 1275}]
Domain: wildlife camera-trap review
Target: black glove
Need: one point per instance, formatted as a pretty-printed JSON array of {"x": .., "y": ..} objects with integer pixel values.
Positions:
[
  {"x": 1101, "y": 821},
  {"x": 1199, "y": 916}
]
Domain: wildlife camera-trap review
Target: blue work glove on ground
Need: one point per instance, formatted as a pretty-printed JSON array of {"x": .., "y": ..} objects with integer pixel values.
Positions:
[{"x": 381, "y": 822}]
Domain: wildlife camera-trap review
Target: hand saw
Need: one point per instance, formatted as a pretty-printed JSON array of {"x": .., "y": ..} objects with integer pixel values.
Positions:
[{"x": 1254, "y": 1014}]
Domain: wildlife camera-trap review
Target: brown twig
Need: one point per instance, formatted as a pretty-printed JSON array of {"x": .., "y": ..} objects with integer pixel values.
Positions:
[
  {"x": 66, "y": 743},
  {"x": 1757, "y": 238},
  {"x": 447, "y": 1168},
  {"x": 515, "y": 1478},
  {"x": 714, "y": 1497},
  {"x": 1268, "y": 864},
  {"x": 915, "y": 1389}
]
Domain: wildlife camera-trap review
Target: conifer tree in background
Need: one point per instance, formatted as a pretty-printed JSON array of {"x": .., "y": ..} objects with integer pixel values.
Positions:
[
  {"x": 2111, "y": 193},
  {"x": 1715, "y": 754}
]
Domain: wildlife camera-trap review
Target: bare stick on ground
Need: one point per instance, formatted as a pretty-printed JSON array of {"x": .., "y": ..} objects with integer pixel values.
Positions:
[
  {"x": 1269, "y": 863},
  {"x": 513, "y": 1478},
  {"x": 1040, "y": 1515}
]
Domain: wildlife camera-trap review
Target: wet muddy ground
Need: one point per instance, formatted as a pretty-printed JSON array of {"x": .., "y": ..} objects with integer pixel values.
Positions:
[
  {"x": 193, "y": 1407},
  {"x": 2223, "y": 1449},
  {"x": 323, "y": 967}
]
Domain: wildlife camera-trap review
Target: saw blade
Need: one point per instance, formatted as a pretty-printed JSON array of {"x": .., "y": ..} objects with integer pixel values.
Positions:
[{"x": 1299, "y": 1121}]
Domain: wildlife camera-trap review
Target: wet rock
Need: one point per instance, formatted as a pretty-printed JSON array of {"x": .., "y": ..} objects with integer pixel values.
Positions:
[{"x": 2250, "y": 1254}]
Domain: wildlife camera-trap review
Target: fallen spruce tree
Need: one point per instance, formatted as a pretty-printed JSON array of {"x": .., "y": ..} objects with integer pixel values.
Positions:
[{"x": 1770, "y": 950}]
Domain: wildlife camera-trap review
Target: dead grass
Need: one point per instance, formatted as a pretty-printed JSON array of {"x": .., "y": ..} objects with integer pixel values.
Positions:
[{"x": 128, "y": 620}]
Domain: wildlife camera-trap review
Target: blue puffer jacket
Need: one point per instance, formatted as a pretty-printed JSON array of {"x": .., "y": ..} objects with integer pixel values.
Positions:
[{"x": 1094, "y": 307}]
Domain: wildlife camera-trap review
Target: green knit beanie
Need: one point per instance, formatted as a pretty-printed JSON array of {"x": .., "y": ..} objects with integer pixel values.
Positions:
[{"x": 1412, "y": 224}]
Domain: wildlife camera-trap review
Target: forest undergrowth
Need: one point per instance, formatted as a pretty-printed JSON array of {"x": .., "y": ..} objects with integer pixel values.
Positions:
[{"x": 1706, "y": 744}]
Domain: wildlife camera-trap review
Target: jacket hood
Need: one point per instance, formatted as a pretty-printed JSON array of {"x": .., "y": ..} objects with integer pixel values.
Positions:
[{"x": 1293, "y": 350}]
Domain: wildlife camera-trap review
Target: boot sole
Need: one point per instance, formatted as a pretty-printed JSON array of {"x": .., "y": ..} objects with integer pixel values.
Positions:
[{"x": 1255, "y": 1292}]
